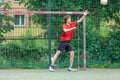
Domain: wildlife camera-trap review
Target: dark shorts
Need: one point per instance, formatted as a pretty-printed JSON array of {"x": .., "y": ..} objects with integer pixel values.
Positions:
[{"x": 65, "y": 45}]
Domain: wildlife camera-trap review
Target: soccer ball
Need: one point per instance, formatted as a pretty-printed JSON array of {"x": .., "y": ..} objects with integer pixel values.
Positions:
[{"x": 103, "y": 2}]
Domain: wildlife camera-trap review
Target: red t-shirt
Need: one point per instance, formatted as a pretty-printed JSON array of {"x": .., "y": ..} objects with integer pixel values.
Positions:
[{"x": 67, "y": 36}]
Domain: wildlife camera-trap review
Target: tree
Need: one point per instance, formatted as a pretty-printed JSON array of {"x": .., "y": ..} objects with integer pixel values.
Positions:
[{"x": 5, "y": 20}]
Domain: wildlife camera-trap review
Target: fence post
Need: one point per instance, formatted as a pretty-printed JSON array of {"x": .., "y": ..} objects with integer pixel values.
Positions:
[{"x": 49, "y": 31}]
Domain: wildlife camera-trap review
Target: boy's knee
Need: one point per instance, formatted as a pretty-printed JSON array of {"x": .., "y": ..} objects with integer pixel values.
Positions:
[{"x": 71, "y": 53}]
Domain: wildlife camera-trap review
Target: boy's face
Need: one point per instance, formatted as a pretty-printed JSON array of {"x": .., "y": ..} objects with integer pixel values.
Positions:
[{"x": 69, "y": 20}]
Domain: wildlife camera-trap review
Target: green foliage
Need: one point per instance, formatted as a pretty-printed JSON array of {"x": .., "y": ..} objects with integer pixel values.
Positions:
[
  {"x": 114, "y": 46},
  {"x": 5, "y": 25},
  {"x": 5, "y": 20},
  {"x": 104, "y": 31},
  {"x": 6, "y": 5}
]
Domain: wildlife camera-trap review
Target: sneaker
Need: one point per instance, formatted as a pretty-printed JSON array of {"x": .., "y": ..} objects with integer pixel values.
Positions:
[
  {"x": 51, "y": 68},
  {"x": 71, "y": 69}
]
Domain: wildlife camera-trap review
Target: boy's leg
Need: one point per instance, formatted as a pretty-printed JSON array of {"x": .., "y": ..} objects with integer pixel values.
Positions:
[
  {"x": 53, "y": 61},
  {"x": 70, "y": 49},
  {"x": 71, "y": 58},
  {"x": 71, "y": 61},
  {"x": 55, "y": 57}
]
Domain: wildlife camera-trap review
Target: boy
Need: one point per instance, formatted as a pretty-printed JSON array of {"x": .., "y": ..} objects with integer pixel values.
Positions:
[{"x": 67, "y": 35}]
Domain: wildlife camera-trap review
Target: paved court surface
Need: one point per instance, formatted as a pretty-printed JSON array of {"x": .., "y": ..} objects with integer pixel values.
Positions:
[{"x": 59, "y": 74}]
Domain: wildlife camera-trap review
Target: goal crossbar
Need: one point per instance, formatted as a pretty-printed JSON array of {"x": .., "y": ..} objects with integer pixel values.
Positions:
[{"x": 38, "y": 12}]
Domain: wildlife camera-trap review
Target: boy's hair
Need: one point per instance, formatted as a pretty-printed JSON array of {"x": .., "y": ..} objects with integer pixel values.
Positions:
[{"x": 66, "y": 18}]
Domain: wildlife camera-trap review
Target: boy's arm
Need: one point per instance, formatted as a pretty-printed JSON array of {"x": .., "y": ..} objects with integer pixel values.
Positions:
[
  {"x": 66, "y": 30},
  {"x": 80, "y": 20},
  {"x": 84, "y": 15}
]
